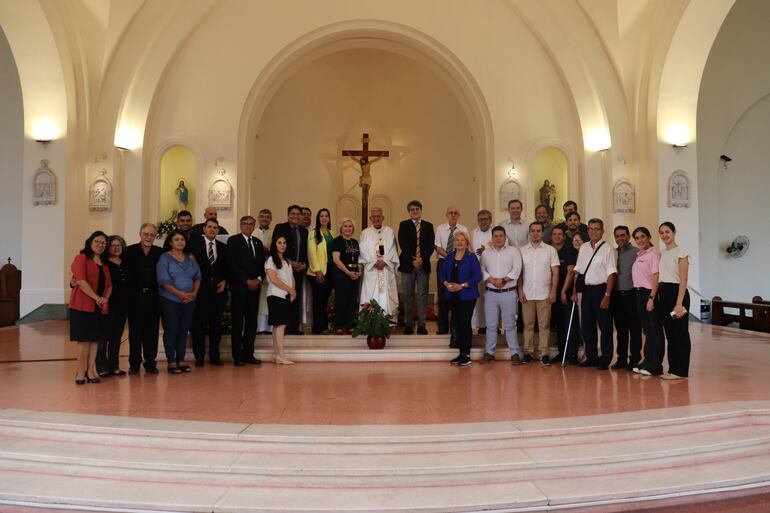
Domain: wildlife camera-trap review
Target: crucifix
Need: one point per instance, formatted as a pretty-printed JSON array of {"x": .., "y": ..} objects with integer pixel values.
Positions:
[{"x": 366, "y": 158}]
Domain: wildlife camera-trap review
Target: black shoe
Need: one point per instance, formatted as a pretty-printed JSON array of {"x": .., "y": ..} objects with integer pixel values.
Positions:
[
  {"x": 133, "y": 370},
  {"x": 602, "y": 367},
  {"x": 253, "y": 361},
  {"x": 408, "y": 330},
  {"x": 174, "y": 370},
  {"x": 152, "y": 370},
  {"x": 527, "y": 358},
  {"x": 118, "y": 372},
  {"x": 456, "y": 361},
  {"x": 421, "y": 330},
  {"x": 199, "y": 363},
  {"x": 558, "y": 358},
  {"x": 545, "y": 361},
  {"x": 93, "y": 380},
  {"x": 185, "y": 368},
  {"x": 620, "y": 364},
  {"x": 104, "y": 374},
  {"x": 587, "y": 363},
  {"x": 238, "y": 363},
  {"x": 482, "y": 331},
  {"x": 80, "y": 381},
  {"x": 464, "y": 360},
  {"x": 216, "y": 361}
]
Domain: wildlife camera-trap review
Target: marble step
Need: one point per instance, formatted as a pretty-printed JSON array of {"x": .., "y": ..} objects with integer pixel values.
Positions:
[{"x": 165, "y": 465}]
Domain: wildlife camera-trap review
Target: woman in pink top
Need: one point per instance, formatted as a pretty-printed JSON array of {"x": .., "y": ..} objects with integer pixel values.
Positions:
[{"x": 645, "y": 273}]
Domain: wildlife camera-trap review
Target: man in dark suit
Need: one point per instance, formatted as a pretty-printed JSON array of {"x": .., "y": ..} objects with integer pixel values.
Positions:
[
  {"x": 416, "y": 239},
  {"x": 246, "y": 266},
  {"x": 209, "y": 213},
  {"x": 184, "y": 224},
  {"x": 296, "y": 251},
  {"x": 211, "y": 256}
]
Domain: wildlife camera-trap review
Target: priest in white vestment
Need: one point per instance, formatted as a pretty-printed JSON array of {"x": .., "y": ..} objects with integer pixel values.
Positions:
[
  {"x": 379, "y": 280},
  {"x": 480, "y": 238},
  {"x": 265, "y": 235}
]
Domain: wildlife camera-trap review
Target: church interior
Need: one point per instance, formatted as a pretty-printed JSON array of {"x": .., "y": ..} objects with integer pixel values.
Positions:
[{"x": 115, "y": 113}]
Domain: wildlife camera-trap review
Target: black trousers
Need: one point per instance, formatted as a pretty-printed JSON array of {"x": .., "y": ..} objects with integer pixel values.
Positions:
[
  {"x": 345, "y": 300},
  {"x": 108, "y": 352},
  {"x": 209, "y": 308},
  {"x": 321, "y": 293},
  {"x": 562, "y": 313},
  {"x": 593, "y": 315},
  {"x": 676, "y": 330},
  {"x": 143, "y": 330},
  {"x": 627, "y": 326},
  {"x": 295, "y": 309},
  {"x": 462, "y": 313},
  {"x": 441, "y": 301},
  {"x": 243, "y": 306},
  {"x": 653, "y": 332}
]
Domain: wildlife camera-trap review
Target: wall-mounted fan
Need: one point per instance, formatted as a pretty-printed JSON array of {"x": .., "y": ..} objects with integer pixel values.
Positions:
[{"x": 739, "y": 247}]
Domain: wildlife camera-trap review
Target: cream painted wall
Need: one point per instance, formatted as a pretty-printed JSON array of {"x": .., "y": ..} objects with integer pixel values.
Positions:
[
  {"x": 203, "y": 94},
  {"x": 402, "y": 105},
  {"x": 734, "y": 119},
  {"x": 11, "y": 164},
  {"x": 177, "y": 163}
]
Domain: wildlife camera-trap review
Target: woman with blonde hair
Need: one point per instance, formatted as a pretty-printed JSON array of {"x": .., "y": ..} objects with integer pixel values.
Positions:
[{"x": 347, "y": 271}]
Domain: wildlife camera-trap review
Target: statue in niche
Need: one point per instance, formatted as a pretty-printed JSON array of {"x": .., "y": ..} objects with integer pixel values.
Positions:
[
  {"x": 548, "y": 197},
  {"x": 44, "y": 185},
  {"x": 182, "y": 196}
]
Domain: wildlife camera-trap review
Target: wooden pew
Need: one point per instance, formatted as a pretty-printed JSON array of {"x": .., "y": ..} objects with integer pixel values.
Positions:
[
  {"x": 10, "y": 294},
  {"x": 754, "y": 316}
]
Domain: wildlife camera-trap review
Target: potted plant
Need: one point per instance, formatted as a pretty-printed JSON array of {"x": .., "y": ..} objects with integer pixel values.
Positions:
[{"x": 373, "y": 322}]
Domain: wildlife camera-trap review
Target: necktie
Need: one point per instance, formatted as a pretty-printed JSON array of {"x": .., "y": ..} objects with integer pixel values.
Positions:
[
  {"x": 450, "y": 243},
  {"x": 417, "y": 229},
  {"x": 251, "y": 247},
  {"x": 211, "y": 256},
  {"x": 297, "y": 241}
]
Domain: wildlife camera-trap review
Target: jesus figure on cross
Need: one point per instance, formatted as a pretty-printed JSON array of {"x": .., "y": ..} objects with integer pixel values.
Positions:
[{"x": 365, "y": 160}]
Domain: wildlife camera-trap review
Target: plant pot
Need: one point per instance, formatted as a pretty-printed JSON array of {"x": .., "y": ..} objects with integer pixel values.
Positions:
[{"x": 375, "y": 342}]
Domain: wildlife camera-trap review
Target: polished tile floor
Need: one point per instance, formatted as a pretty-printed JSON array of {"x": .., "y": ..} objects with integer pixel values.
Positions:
[{"x": 37, "y": 372}]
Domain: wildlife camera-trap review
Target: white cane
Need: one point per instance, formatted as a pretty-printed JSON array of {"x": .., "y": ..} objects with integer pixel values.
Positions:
[{"x": 569, "y": 329}]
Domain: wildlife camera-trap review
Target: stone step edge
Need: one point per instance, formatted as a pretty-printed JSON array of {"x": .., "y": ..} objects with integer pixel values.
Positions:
[
  {"x": 746, "y": 445},
  {"x": 367, "y": 434}
]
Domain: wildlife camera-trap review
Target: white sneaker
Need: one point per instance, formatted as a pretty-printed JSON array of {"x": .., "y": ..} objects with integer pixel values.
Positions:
[{"x": 644, "y": 372}]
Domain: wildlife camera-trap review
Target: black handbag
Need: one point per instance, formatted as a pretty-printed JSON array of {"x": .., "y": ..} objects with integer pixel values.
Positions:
[{"x": 580, "y": 281}]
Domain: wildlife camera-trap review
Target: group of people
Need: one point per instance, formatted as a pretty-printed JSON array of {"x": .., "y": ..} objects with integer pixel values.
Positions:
[{"x": 562, "y": 276}]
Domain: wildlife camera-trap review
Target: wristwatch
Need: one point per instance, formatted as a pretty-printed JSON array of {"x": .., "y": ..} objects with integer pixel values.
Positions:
[{"x": 607, "y": 294}]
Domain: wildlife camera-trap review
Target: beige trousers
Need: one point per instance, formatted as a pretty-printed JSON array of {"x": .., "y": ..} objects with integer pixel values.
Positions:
[{"x": 539, "y": 309}]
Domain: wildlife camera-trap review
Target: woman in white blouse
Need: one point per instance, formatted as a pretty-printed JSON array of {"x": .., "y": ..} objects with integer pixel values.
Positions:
[
  {"x": 674, "y": 302},
  {"x": 280, "y": 294}
]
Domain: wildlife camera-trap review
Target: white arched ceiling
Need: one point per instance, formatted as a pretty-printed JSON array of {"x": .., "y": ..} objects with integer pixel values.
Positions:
[
  {"x": 381, "y": 35},
  {"x": 678, "y": 106}
]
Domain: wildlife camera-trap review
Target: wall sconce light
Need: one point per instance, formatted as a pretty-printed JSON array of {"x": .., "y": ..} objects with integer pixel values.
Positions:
[
  {"x": 678, "y": 136},
  {"x": 598, "y": 141},
  {"x": 127, "y": 138},
  {"x": 45, "y": 131},
  {"x": 725, "y": 159}
]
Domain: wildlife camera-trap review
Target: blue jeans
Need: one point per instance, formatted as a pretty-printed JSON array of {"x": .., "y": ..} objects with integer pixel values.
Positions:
[
  {"x": 505, "y": 303},
  {"x": 177, "y": 319}
]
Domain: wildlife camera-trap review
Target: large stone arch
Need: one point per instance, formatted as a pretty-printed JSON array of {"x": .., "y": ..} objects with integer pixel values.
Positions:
[{"x": 394, "y": 37}]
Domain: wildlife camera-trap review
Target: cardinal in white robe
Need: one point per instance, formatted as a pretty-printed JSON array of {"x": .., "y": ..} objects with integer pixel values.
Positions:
[{"x": 379, "y": 257}]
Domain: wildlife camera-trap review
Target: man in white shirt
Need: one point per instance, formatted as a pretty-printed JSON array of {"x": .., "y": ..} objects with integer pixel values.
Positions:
[
  {"x": 517, "y": 231},
  {"x": 537, "y": 292},
  {"x": 445, "y": 244},
  {"x": 500, "y": 270},
  {"x": 600, "y": 278},
  {"x": 265, "y": 235},
  {"x": 480, "y": 240},
  {"x": 379, "y": 257}
]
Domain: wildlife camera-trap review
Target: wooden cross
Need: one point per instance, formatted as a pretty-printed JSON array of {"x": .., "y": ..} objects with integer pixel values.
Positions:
[{"x": 366, "y": 176}]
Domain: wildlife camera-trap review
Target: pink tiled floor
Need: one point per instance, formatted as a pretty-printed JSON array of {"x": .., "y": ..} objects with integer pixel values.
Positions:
[{"x": 727, "y": 364}]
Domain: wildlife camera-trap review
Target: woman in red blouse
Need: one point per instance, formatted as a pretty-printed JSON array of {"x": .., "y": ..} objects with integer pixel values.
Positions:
[{"x": 88, "y": 305}]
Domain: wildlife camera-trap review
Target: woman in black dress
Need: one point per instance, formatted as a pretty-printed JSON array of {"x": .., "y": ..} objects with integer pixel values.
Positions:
[
  {"x": 89, "y": 305},
  {"x": 347, "y": 272},
  {"x": 108, "y": 355}
]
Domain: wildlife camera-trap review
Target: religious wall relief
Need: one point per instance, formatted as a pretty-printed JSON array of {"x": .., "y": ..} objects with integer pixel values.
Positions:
[
  {"x": 679, "y": 192},
  {"x": 221, "y": 193},
  {"x": 44, "y": 185},
  {"x": 509, "y": 190},
  {"x": 100, "y": 194},
  {"x": 624, "y": 197}
]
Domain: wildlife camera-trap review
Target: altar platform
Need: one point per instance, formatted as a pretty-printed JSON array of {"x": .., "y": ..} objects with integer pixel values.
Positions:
[{"x": 384, "y": 435}]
